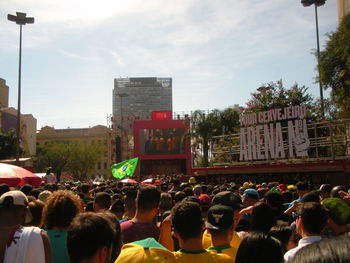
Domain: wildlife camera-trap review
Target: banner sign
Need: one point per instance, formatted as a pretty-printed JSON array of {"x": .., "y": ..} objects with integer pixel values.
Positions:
[{"x": 261, "y": 135}]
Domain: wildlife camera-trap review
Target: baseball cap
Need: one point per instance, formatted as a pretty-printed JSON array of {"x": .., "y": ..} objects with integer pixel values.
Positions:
[
  {"x": 146, "y": 250},
  {"x": 220, "y": 217},
  {"x": 13, "y": 198},
  {"x": 338, "y": 210},
  {"x": 44, "y": 195},
  {"x": 251, "y": 193},
  {"x": 205, "y": 199},
  {"x": 228, "y": 198}
]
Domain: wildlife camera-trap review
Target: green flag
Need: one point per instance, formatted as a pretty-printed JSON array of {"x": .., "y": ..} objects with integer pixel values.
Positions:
[{"x": 124, "y": 169}]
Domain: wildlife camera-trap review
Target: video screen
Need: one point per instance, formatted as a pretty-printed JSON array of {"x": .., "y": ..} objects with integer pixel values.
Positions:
[{"x": 162, "y": 141}]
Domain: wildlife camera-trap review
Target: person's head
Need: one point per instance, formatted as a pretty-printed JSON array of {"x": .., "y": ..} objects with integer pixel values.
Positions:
[
  {"x": 90, "y": 238},
  {"x": 312, "y": 218},
  {"x": 313, "y": 196},
  {"x": 85, "y": 188},
  {"x": 26, "y": 189},
  {"x": 197, "y": 190},
  {"x": 13, "y": 207},
  {"x": 48, "y": 170},
  {"x": 165, "y": 203},
  {"x": 336, "y": 189},
  {"x": 325, "y": 191},
  {"x": 220, "y": 222},
  {"x": 147, "y": 199},
  {"x": 44, "y": 195},
  {"x": 130, "y": 201},
  {"x": 187, "y": 220},
  {"x": 338, "y": 212},
  {"x": 302, "y": 188},
  {"x": 260, "y": 247},
  {"x": 274, "y": 200},
  {"x": 4, "y": 188},
  {"x": 36, "y": 208},
  {"x": 285, "y": 235},
  {"x": 179, "y": 196},
  {"x": 262, "y": 218},
  {"x": 250, "y": 197},
  {"x": 228, "y": 198},
  {"x": 60, "y": 209},
  {"x": 118, "y": 208},
  {"x": 102, "y": 201},
  {"x": 117, "y": 243},
  {"x": 328, "y": 250}
]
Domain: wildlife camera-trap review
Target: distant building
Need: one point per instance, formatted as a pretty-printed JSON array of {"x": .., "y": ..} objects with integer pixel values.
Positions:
[
  {"x": 98, "y": 135},
  {"x": 8, "y": 120},
  {"x": 136, "y": 99},
  {"x": 4, "y": 94},
  {"x": 343, "y": 8}
]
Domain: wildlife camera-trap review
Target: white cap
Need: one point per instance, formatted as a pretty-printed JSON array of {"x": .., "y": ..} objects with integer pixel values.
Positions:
[{"x": 13, "y": 198}]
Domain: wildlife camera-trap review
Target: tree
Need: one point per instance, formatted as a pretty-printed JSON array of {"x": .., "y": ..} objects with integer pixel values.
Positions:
[
  {"x": 334, "y": 67},
  {"x": 275, "y": 95},
  {"x": 83, "y": 159},
  {"x": 204, "y": 126},
  {"x": 55, "y": 154},
  {"x": 8, "y": 144}
]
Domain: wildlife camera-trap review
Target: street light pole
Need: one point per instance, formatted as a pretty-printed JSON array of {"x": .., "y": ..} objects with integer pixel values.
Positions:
[
  {"x": 20, "y": 19},
  {"x": 317, "y": 3}
]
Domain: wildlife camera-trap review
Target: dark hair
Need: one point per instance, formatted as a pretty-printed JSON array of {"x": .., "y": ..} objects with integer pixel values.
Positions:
[
  {"x": 60, "y": 209},
  {"x": 179, "y": 196},
  {"x": 26, "y": 189},
  {"x": 282, "y": 233},
  {"x": 333, "y": 250},
  {"x": 166, "y": 202},
  {"x": 259, "y": 247},
  {"x": 302, "y": 186},
  {"x": 314, "y": 217},
  {"x": 87, "y": 234},
  {"x": 274, "y": 199},
  {"x": 36, "y": 209},
  {"x": 336, "y": 189},
  {"x": 188, "y": 191},
  {"x": 262, "y": 218},
  {"x": 313, "y": 196},
  {"x": 4, "y": 188},
  {"x": 89, "y": 207},
  {"x": 85, "y": 188},
  {"x": 117, "y": 242},
  {"x": 147, "y": 198},
  {"x": 187, "y": 219},
  {"x": 103, "y": 200}
]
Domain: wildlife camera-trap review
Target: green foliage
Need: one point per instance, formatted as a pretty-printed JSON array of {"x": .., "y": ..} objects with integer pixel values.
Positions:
[
  {"x": 334, "y": 67},
  {"x": 83, "y": 158},
  {"x": 275, "y": 95},
  {"x": 7, "y": 144},
  {"x": 206, "y": 125},
  {"x": 55, "y": 154}
]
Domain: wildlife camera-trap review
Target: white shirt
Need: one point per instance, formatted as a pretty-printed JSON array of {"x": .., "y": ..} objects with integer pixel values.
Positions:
[
  {"x": 50, "y": 178},
  {"x": 302, "y": 243},
  {"x": 27, "y": 247}
]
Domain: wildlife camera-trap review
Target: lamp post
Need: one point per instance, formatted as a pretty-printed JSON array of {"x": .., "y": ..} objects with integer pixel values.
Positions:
[
  {"x": 121, "y": 96},
  {"x": 317, "y": 3},
  {"x": 20, "y": 19}
]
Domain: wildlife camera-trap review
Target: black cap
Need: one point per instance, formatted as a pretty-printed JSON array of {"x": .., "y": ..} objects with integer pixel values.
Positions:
[
  {"x": 228, "y": 198},
  {"x": 220, "y": 217}
]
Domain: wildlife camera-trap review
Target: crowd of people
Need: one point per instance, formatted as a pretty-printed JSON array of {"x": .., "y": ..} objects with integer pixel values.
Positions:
[{"x": 174, "y": 222}]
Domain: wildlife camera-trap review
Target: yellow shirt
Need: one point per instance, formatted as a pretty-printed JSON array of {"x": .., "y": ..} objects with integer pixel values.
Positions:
[
  {"x": 203, "y": 256},
  {"x": 227, "y": 250},
  {"x": 206, "y": 241}
]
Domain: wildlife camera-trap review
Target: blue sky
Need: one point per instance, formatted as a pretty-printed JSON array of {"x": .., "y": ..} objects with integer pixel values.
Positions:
[{"x": 217, "y": 52}]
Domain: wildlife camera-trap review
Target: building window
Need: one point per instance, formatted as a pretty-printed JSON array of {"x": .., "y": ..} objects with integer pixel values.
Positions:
[
  {"x": 99, "y": 166},
  {"x": 105, "y": 165}
]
